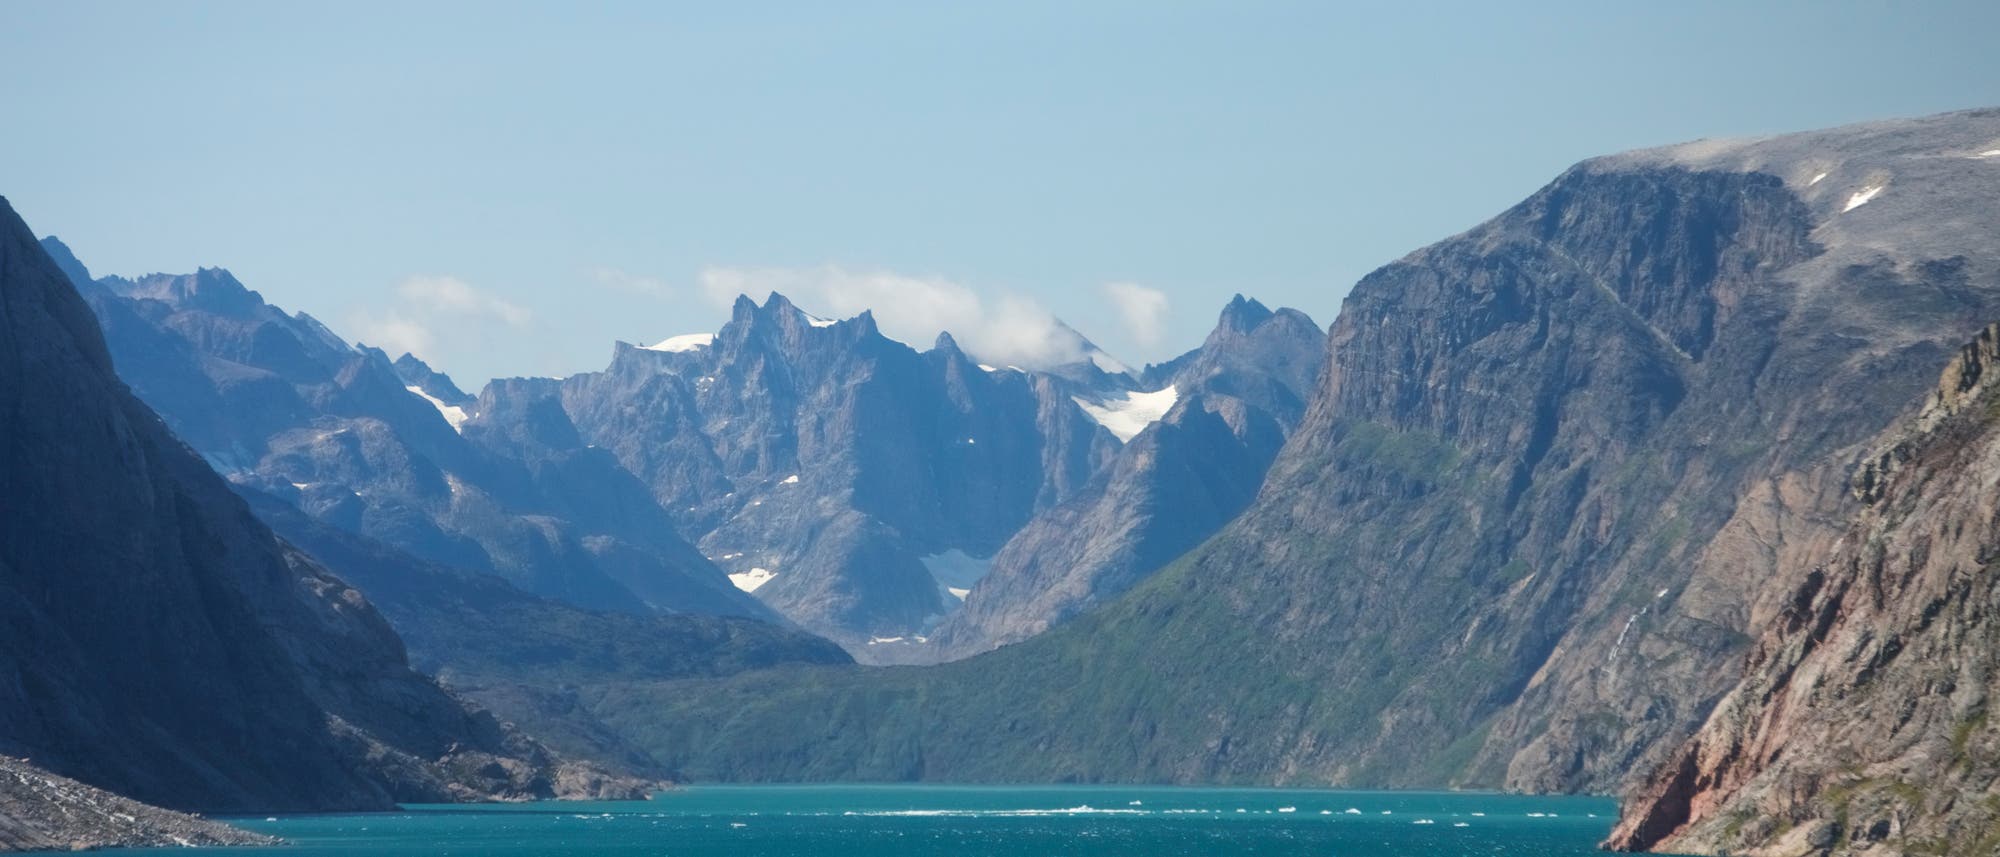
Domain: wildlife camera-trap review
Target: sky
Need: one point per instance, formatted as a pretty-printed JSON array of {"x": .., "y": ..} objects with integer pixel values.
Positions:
[{"x": 506, "y": 189}]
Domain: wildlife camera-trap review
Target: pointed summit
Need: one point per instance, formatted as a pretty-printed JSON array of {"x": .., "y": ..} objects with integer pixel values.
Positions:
[
  {"x": 418, "y": 374},
  {"x": 945, "y": 342},
  {"x": 1243, "y": 314}
]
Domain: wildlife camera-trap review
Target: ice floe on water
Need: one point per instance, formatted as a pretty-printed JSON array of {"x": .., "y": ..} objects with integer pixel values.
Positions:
[{"x": 1085, "y": 809}]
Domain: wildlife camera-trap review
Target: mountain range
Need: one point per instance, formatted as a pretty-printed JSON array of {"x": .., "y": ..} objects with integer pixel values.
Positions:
[
  {"x": 1557, "y": 475},
  {"x": 162, "y": 644},
  {"x": 1648, "y": 483}
]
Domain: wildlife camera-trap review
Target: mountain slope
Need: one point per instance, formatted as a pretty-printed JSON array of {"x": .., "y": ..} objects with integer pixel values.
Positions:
[
  {"x": 158, "y": 641},
  {"x": 521, "y": 656},
  {"x": 40, "y": 811},
  {"x": 1862, "y": 725},
  {"x": 1169, "y": 488},
  {"x": 1528, "y": 521},
  {"x": 395, "y": 451}
]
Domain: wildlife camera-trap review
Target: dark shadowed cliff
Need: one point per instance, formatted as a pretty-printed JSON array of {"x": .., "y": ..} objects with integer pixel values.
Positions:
[{"x": 159, "y": 642}]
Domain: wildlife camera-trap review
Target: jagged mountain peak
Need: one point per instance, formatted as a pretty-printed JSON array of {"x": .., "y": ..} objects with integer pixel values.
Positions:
[
  {"x": 418, "y": 374},
  {"x": 1243, "y": 313}
]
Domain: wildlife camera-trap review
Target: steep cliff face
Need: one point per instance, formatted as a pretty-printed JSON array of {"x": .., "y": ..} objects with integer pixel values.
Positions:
[
  {"x": 395, "y": 451},
  {"x": 1862, "y": 725},
  {"x": 1168, "y": 489},
  {"x": 157, "y": 641},
  {"x": 1521, "y": 536}
]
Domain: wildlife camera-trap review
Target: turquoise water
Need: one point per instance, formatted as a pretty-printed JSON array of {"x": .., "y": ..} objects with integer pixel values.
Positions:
[{"x": 969, "y": 821}]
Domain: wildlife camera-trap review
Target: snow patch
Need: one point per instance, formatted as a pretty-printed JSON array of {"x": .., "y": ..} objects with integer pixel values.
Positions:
[
  {"x": 1989, "y": 153},
  {"x": 816, "y": 321},
  {"x": 683, "y": 342},
  {"x": 790, "y": 480},
  {"x": 1862, "y": 196},
  {"x": 748, "y": 581},
  {"x": 1815, "y": 179},
  {"x": 986, "y": 368},
  {"x": 957, "y": 592},
  {"x": 453, "y": 414},
  {"x": 1126, "y": 417}
]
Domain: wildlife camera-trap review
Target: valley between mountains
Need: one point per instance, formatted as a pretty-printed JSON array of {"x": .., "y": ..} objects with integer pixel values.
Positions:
[{"x": 1648, "y": 485}]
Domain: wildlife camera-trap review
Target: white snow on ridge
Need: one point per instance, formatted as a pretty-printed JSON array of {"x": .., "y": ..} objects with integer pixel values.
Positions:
[
  {"x": 748, "y": 581},
  {"x": 452, "y": 413},
  {"x": 790, "y": 480},
  {"x": 1989, "y": 153},
  {"x": 1861, "y": 197},
  {"x": 816, "y": 321},
  {"x": 957, "y": 592},
  {"x": 683, "y": 342},
  {"x": 1815, "y": 179},
  {"x": 1128, "y": 416}
]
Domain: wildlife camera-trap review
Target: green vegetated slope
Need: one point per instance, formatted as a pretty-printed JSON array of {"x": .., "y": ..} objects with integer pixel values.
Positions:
[{"x": 1554, "y": 466}]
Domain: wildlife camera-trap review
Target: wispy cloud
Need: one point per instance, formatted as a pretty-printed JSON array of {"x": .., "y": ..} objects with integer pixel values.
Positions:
[
  {"x": 433, "y": 310},
  {"x": 630, "y": 283},
  {"x": 1003, "y": 329},
  {"x": 442, "y": 295},
  {"x": 395, "y": 333},
  {"x": 1144, "y": 310}
]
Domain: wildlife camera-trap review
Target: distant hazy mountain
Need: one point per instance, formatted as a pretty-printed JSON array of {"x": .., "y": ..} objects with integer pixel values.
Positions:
[
  {"x": 159, "y": 642},
  {"x": 279, "y": 403},
  {"x": 1557, "y": 473},
  {"x": 831, "y": 469},
  {"x": 1228, "y": 407}
]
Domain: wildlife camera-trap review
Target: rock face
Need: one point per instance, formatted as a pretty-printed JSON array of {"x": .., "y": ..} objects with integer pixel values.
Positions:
[
  {"x": 825, "y": 464},
  {"x": 1525, "y": 530},
  {"x": 395, "y": 451},
  {"x": 1176, "y": 483},
  {"x": 159, "y": 642},
  {"x": 1862, "y": 725},
  {"x": 40, "y": 811}
]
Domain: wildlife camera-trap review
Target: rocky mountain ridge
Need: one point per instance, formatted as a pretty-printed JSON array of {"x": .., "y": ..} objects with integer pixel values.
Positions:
[{"x": 280, "y": 403}]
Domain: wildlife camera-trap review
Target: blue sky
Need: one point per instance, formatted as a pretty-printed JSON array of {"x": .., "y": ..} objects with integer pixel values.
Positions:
[{"x": 509, "y": 188}]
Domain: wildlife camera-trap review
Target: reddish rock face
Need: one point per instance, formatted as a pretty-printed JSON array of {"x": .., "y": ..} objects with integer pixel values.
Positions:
[{"x": 1862, "y": 722}]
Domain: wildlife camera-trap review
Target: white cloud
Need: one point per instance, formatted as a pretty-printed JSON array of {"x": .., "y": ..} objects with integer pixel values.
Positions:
[
  {"x": 453, "y": 296},
  {"x": 395, "y": 333},
  {"x": 637, "y": 284},
  {"x": 1007, "y": 329},
  {"x": 1143, "y": 310}
]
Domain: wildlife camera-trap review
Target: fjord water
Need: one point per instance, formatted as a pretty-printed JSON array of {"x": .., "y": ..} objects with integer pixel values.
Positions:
[{"x": 970, "y": 821}]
